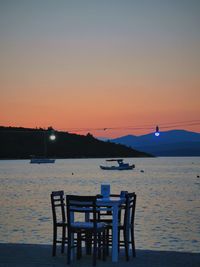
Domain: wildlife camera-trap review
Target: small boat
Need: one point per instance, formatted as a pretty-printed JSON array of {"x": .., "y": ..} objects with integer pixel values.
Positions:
[
  {"x": 121, "y": 165},
  {"x": 42, "y": 160}
]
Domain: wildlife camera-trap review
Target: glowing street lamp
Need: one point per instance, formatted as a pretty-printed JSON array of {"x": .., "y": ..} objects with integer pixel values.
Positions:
[
  {"x": 51, "y": 137},
  {"x": 48, "y": 135}
]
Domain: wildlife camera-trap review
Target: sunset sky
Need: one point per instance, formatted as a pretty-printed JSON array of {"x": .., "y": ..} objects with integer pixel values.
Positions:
[{"x": 100, "y": 64}]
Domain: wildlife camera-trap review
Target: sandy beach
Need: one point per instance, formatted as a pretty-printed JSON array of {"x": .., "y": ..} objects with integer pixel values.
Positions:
[{"x": 25, "y": 255}]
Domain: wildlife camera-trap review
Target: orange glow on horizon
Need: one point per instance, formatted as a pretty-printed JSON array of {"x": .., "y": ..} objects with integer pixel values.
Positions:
[{"x": 117, "y": 66}]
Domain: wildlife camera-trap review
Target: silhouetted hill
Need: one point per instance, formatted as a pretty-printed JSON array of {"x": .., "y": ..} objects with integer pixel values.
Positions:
[
  {"x": 20, "y": 143},
  {"x": 169, "y": 143}
]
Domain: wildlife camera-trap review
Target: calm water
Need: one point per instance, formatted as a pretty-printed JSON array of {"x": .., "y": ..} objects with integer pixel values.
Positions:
[{"x": 168, "y": 203}]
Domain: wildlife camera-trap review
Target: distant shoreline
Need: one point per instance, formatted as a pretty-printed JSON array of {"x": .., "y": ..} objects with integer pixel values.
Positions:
[
  {"x": 80, "y": 158},
  {"x": 3, "y": 159},
  {"x": 26, "y": 143}
]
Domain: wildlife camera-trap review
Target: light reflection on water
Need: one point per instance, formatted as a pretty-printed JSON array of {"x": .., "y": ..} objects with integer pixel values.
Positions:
[{"x": 168, "y": 198}]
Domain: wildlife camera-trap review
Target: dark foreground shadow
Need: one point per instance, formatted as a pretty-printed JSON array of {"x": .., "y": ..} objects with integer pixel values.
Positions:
[{"x": 28, "y": 255}]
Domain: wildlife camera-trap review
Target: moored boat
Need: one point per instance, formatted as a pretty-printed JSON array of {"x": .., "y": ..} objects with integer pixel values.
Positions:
[
  {"x": 121, "y": 165},
  {"x": 42, "y": 160}
]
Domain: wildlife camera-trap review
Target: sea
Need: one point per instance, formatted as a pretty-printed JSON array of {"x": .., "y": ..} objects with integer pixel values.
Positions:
[{"x": 167, "y": 188}]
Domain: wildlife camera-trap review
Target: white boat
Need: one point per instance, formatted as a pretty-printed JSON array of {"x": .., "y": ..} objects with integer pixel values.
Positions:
[
  {"x": 42, "y": 160},
  {"x": 121, "y": 165}
]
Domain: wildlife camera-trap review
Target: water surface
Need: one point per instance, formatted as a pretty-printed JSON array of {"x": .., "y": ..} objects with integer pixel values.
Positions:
[{"x": 168, "y": 198}]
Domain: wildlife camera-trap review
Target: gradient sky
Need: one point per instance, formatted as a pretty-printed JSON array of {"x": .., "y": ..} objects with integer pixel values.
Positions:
[{"x": 99, "y": 64}]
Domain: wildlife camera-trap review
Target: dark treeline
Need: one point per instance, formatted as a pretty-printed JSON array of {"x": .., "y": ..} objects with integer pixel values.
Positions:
[{"x": 22, "y": 143}]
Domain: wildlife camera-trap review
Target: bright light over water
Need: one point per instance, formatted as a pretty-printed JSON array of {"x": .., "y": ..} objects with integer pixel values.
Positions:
[{"x": 157, "y": 133}]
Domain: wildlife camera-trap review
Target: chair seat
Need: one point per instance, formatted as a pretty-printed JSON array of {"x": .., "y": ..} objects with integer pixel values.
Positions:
[{"x": 87, "y": 225}]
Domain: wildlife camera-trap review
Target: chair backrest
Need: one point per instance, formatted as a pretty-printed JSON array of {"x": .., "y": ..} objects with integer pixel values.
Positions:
[
  {"x": 129, "y": 215},
  {"x": 106, "y": 215},
  {"x": 81, "y": 205},
  {"x": 58, "y": 206}
]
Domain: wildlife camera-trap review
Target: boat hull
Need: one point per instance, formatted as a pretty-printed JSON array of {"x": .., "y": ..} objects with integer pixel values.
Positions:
[
  {"x": 39, "y": 161},
  {"x": 119, "y": 168}
]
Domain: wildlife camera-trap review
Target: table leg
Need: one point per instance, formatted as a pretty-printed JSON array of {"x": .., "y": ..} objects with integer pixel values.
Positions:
[
  {"x": 115, "y": 235},
  {"x": 72, "y": 237}
]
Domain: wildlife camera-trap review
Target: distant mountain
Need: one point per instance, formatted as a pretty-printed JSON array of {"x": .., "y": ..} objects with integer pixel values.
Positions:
[
  {"x": 21, "y": 143},
  {"x": 169, "y": 143}
]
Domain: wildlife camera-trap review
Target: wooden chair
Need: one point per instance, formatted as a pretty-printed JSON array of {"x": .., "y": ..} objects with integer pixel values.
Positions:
[
  {"x": 85, "y": 206},
  {"x": 126, "y": 223},
  {"x": 59, "y": 220},
  {"x": 106, "y": 216}
]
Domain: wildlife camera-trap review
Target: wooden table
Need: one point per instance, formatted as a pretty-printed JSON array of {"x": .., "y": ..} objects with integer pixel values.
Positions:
[{"x": 114, "y": 204}]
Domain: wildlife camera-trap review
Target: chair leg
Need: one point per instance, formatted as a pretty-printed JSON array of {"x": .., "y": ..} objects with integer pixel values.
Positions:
[
  {"x": 69, "y": 249},
  {"x": 54, "y": 241},
  {"x": 79, "y": 246},
  {"x": 99, "y": 245},
  {"x": 125, "y": 232},
  {"x": 107, "y": 241},
  {"x": 95, "y": 249},
  {"x": 88, "y": 244},
  {"x": 63, "y": 239},
  {"x": 119, "y": 240},
  {"x": 105, "y": 245},
  {"x": 133, "y": 242}
]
